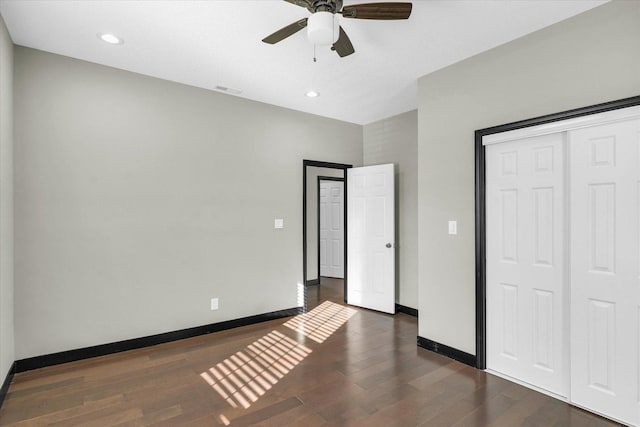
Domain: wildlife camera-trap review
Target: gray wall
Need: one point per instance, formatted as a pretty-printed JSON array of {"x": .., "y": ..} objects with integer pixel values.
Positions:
[
  {"x": 6, "y": 202},
  {"x": 395, "y": 140},
  {"x": 312, "y": 214},
  {"x": 138, "y": 199},
  {"x": 588, "y": 59}
]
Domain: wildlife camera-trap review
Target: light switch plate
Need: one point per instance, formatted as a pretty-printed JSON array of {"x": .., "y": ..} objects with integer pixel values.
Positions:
[
  {"x": 214, "y": 304},
  {"x": 278, "y": 223},
  {"x": 453, "y": 227}
]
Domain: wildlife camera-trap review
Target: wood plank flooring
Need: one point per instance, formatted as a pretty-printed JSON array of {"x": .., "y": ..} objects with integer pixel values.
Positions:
[{"x": 347, "y": 367}]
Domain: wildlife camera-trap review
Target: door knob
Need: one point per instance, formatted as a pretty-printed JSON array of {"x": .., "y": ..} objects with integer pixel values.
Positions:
[{"x": 388, "y": 245}]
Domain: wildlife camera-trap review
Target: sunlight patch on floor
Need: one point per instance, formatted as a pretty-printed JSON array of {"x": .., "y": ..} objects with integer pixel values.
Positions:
[
  {"x": 248, "y": 374},
  {"x": 321, "y": 322},
  {"x": 242, "y": 378}
]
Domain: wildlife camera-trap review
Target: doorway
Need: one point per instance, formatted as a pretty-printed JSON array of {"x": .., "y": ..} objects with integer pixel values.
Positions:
[{"x": 314, "y": 172}]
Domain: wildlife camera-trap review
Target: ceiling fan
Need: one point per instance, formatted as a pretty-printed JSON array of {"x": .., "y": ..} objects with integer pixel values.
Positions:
[{"x": 322, "y": 28}]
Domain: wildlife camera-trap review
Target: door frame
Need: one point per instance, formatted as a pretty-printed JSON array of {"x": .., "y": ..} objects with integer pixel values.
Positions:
[
  {"x": 328, "y": 165},
  {"x": 480, "y": 206},
  {"x": 343, "y": 180}
]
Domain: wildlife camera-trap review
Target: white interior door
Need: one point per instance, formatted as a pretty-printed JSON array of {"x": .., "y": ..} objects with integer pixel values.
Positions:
[
  {"x": 331, "y": 229},
  {"x": 525, "y": 261},
  {"x": 605, "y": 309},
  {"x": 371, "y": 237}
]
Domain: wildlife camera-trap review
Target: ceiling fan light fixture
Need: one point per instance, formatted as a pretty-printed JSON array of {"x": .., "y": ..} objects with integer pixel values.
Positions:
[{"x": 322, "y": 28}]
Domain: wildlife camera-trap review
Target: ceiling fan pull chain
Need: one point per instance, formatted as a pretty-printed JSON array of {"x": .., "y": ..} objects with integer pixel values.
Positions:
[{"x": 314, "y": 53}]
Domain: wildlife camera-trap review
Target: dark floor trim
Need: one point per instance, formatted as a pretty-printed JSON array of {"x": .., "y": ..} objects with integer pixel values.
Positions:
[
  {"x": 7, "y": 382},
  {"x": 312, "y": 282},
  {"x": 445, "y": 350},
  {"x": 116, "y": 347},
  {"x": 406, "y": 310}
]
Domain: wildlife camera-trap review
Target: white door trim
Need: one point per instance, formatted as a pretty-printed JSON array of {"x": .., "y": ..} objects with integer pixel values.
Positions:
[{"x": 597, "y": 119}]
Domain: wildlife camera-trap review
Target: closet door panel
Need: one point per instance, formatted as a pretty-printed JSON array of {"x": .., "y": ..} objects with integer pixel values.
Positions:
[
  {"x": 605, "y": 269},
  {"x": 525, "y": 261}
]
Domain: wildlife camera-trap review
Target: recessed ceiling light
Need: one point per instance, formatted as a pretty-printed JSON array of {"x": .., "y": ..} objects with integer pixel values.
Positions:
[
  {"x": 312, "y": 94},
  {"x": 110, "y": 38}
]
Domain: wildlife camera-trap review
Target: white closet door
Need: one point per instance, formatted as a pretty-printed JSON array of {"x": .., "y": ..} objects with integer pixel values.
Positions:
[
  {"x": 605, "y": 309},
  {"x": 525, "y": 222}
]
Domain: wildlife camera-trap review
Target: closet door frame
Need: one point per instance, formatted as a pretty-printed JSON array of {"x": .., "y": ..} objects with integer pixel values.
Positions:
[{"x": 551, "y": 124}]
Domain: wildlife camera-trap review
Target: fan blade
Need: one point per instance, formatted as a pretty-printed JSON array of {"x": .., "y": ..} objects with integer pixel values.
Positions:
[
  {"x": 285, "y": 32},
  {"x": 302, "y": 3},
  {"x": 343, "y": 45},
  {"x": 377, "y": 11}
]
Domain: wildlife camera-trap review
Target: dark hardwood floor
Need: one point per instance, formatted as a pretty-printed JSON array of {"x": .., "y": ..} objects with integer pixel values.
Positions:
[
  {"x": 328, "y": 290},
  {"x": 335, "y": 365}
]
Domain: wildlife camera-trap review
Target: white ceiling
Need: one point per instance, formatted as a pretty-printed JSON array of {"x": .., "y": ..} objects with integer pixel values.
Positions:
[{"x": 211, "y": 43}]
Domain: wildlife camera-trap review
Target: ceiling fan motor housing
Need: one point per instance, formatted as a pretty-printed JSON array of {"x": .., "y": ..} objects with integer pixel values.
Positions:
[
  {"x": 332, "y": 6},
  {"x": 322, "y": 28}
]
